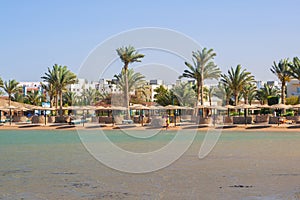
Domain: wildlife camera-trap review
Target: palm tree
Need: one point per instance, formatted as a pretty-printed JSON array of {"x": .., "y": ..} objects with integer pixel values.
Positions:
[
  {"x": 34, "y": 98},
  {"x": 60, "y": 77},
  {"x": 283, "y": 72},
  {"x": 185, "y": 94},
  {"x": 11, "y": 87},
  {"x": 165, "y": 97},
  {"x": 128, "y": 55},
  {"x": 51, "y": 91},
  {"x": 69, "y": 98},
  {"x": 236, "y": 79},
  {"x": 134, "y": 81},
  {"x": 203, "y": 68},
  {"x": 248, "y": 92},
  {"x": 265, "y": 92},
  {"x": 18, "y": 97},
  {"x": 224, "y": 92},
  {"x": 209, "y": 92},
  {"x": 1, "y": 82}
]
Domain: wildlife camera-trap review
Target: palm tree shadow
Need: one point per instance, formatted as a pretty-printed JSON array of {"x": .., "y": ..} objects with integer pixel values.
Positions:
[
  {"x": 258, "y": 127},
  {"x": 30, "y": 126},
  {"x": 66, "y": 127},
  {"x": 226, "y": 127},
  {"x": 195, "y": 127},
  {"x": 294, "y": 127}
]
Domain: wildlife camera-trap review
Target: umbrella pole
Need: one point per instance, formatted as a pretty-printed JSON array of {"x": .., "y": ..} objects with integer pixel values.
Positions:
[
  {"x": 45, "y": 117},
  {"x": 10, "y": 116},
  {"x": 83, "y": 118},
  {"x": 142, "y": 117},
  {"x": 175, "y": 118},
  {"x": 245, "y": 114}
]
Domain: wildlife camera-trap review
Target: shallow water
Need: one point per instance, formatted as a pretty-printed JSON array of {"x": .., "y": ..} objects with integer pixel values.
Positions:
[{"x": 243, "y": 165}]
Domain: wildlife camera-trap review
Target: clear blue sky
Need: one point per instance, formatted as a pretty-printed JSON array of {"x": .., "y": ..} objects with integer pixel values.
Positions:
[{"x": 37, "y": 34}]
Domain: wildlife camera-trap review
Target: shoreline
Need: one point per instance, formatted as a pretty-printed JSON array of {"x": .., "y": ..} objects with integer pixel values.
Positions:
[{"x": 138, "y": 127}]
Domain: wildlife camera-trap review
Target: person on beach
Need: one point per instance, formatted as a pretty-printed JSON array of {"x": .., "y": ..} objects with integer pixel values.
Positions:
[{"x": 167, "y": 122}]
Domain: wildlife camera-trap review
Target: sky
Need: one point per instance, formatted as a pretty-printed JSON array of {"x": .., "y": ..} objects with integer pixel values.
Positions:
[{"x": 35, "y": 35}]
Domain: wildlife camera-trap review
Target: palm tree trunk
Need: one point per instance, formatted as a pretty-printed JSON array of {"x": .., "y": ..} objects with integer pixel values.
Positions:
[
  {"x": 126, "y": 91},
  {"x": 198, "y": 98},
  {"x": 56, "y": 102},
  {"x": 61, "y": 103},
  {"x": 9, "y": 101},
  {"x": 51, "y": 101},
  {"x": 227, "y": 101},
  {"x": 235, "y": 99},
  {"x": 246, "y": 99},
  {"x": 283, "y": 93},
  {"x": 202, "y": 90}
]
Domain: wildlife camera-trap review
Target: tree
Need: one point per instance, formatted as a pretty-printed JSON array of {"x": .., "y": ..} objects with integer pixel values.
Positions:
[
  {"x": 60, "y": 77},
  {"x": 203, "y": 68},
  {"x": 18, "y": 97},
  {"x": 266, "y": 92},
  {"x": 128, "y": 55},
  {"x": 69, "y": 98},
  {"x": 34, "y": 98},
  {"x": 135, "y": 80},
  {"x": 165, "y": 97},
  {"x": 1, "y": 82},
  {"x": 236, "y": 79},
  {"x": 292, "y": 100},
  {"x": 89, "y": 96},
  {"x": 224, "y": 92},
  {"x": 295, "y": 68},
  {"x": 11, "y": 87},
  {"x": 283, "y": 72},
  {"x": 51, "y": 91},
  {"x": 185, "y": 94},
  {"x": 209, "y": 93},
  {"x": 248, "y": 92}
]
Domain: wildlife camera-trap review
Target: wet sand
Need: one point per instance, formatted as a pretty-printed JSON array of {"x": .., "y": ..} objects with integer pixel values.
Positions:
[{"x": 243, "y": 165}]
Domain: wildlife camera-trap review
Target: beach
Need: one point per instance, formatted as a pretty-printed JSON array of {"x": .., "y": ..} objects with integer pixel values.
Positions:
[{"x": 53, "y": 164}]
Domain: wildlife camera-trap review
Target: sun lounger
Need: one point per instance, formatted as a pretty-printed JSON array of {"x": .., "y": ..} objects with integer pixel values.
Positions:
[
  {"x": 127, "y": 121},
  {"x": 78, "y": 121}
]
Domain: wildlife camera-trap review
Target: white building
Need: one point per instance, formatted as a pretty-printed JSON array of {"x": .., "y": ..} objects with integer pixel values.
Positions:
[
  {"x": 82, "y": 85},
  {"x": 29, "y": 86},
  {"x": 293, "y": 88}
]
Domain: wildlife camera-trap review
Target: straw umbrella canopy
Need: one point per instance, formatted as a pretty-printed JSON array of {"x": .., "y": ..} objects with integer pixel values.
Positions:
[
  {"x": 142, "y": 108},
  {"x": 174, "y": 107},
  {"x": 139, "y": 107},
  {"x": 216, "y": 107},
  {"x": 99, "y": 107},
  {"x": 296, "y": 106},
  {"x": 229, "y": 106},
  {"x": 246, "y": 106},
  {"x": 44, "y": 109},
  {"x": 156, "y": 107},
  {"x": 281, "y": 106},
  {"x": 117, "y": 108},
  {"x": 10, "y": 107},
  {"x": 264, "y": 106}
]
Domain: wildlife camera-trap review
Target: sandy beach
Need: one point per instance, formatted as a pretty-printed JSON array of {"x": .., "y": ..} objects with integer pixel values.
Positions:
[{"x": 188, "y": 126}]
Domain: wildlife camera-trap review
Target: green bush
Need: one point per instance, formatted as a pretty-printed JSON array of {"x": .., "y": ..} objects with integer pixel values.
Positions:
[{"x": 289, "y": 113}]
